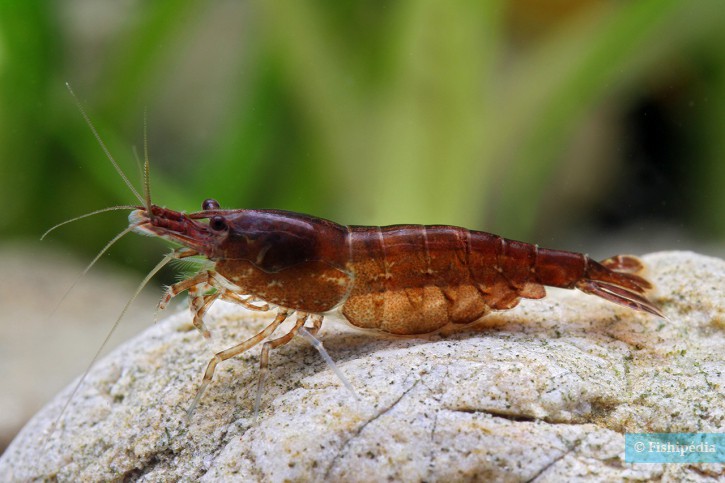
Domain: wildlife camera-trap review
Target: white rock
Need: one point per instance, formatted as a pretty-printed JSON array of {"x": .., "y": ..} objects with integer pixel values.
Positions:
[
  {"x": 35, "y": 345},
  {"x": 546, "y": 390}
]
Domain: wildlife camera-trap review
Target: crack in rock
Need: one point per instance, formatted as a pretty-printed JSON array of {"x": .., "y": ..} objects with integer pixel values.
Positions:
[{"x": 357, "y": 433}]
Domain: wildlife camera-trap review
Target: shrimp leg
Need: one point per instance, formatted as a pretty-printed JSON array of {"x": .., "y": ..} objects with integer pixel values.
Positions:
[
  {"x": 234, "y": 351},
  {"x": 310, "y": 333},
  {"x": 201, "y": 278},
  {"x": 244, "y": 302},
  {"x": 199, "y": 304},
  {"x": 264, "y": 358},
  {"x": 316, "y": 324}
]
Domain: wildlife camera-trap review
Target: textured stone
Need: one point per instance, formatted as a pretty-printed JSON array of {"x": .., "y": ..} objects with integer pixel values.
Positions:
[
  {"x": 546, "y": 390},
  {"x": 44, "y": 344}
]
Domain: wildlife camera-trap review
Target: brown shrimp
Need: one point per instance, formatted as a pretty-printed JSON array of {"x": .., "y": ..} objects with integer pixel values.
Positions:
[{"x": 400, "y": 279}]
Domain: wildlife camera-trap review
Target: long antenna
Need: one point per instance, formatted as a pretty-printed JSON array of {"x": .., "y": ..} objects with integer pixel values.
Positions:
[
  {"x": 89, "y": 266},
  {"x": 103, "y": 145},
  {"x": 102, "y": 210},
  {"x": 146, "y": 166},
  {"x": 159, "y": 266},
  {"x": 145, "y": 202}
]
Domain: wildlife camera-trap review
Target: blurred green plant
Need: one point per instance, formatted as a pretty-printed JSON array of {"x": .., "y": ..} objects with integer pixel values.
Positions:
[{"x": 363, "y": 112}]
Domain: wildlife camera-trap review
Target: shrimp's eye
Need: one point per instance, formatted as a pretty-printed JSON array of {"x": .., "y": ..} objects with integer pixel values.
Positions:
[
  {"x": 217, "y": 223},
  {"x": 210, "y": 204}
]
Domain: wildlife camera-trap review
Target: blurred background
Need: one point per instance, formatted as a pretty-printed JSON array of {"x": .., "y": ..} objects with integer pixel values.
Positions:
[{"x": 589, "y": 125}]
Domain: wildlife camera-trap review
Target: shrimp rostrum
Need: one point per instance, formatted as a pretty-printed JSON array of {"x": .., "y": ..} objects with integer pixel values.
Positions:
[{"x": 400, "y": 279}]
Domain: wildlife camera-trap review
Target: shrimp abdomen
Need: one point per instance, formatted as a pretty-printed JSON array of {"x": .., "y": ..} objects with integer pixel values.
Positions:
[
  {"x": 411, "y": 279},
  {"x": 415, "y": 279}
]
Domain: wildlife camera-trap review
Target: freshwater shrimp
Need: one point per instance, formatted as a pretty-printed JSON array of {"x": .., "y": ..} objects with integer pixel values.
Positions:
[{"x": 401, "y": 279}]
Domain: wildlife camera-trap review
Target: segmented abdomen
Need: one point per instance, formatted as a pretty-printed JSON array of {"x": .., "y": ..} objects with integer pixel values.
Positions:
[{"x": 416, "y": 279}]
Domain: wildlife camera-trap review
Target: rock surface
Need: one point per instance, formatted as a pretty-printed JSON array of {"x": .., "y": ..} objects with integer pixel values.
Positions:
[
  {"x": 44, "y": 344},
  {"x": 545, "y": 391}
]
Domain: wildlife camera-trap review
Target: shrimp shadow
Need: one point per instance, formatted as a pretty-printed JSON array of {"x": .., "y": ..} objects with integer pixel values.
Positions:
[
  {"x": 349, "y": 343},
  {"x": 352, "y": 343}
]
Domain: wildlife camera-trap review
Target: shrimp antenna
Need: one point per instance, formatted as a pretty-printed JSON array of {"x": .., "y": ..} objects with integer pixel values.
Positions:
[
  {"x": 103, "y": 145},
  {"x": 146, "y": 166},
  {"x": 88, "y": 267},
  {"x": 103, "y": 210},
  {"x": 154, "y": 271}
]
